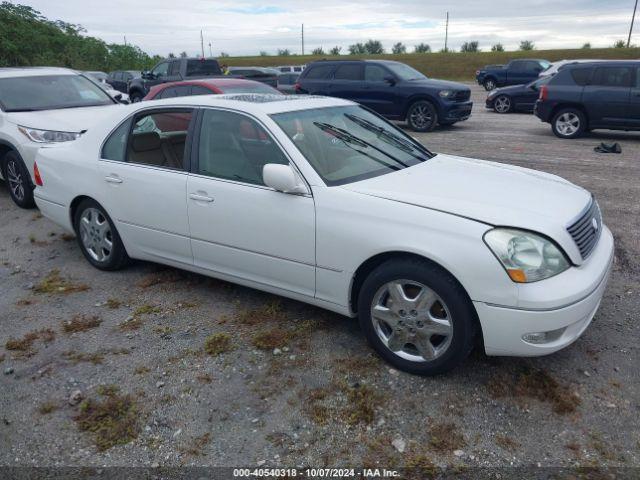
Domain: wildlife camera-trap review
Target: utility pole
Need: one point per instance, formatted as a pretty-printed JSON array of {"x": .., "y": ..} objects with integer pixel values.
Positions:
[
  {"x": 446, "y": 34},
  {"x": 125, "y": 40},
  {"x": 202, "y": 43},
  {"x": 303, "y": 39},
  {"x": 210, "y": 51},
  {"x": 632, "y": 21}
]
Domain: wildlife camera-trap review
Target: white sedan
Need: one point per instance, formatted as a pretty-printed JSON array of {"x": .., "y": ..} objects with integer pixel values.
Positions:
[{"x": 320, "y": 200}]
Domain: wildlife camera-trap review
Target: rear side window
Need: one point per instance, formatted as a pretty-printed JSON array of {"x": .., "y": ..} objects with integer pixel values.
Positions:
[
  {"x": 198, "y": 90},
  {"x": 174, "y": 68},
  {"x": 581, "y": 75},
  {"x": 203, "y": 68},
  {"x": 318, "y": 72},
  {"x": 348, "y": 72},
  {"x": 114, "y": 147},
  {"x": 612, "y": 77},
  {"x": 159, "y": 138},
  {"x": 167, "y": 93}
]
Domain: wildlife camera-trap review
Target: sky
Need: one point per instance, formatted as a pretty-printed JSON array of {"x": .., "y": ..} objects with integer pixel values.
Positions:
[{"x": 248, "y": 27}]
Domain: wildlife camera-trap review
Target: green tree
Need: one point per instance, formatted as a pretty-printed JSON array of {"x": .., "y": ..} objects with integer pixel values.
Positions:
[
  {"x": 422, "y": 48},
  {"x": 470, "y": 47},
  {"x": 399, "y": 48},
  {"x": 224, "y": 54},
  {"x": 620, "y": 44},
  {"x": 527, "y": 45},
  {"x": 264, "y": 53},
  {"x": 586, "y": 46},
  {"x": 317, "y": 51},
  {"x": 498, "y": 47},
  {"x": 335, "y": 50},
  {"x": 374, "y": 47},
  {"x": 284, "y": 52},
  {"x": 357, "y": 49}
]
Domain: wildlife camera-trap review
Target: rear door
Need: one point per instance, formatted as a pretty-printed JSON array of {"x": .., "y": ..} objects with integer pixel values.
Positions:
[
  {"x": 315, "y": 79},
  {"x": 607, "y": 96},
  {"x": 634, "y": 103},
  {"x": 348, "y": 82},
  {"x": 144, "y": 164}
]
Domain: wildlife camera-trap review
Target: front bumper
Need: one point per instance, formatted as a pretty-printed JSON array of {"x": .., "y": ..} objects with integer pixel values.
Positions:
[
  {"x": 489, "y": 103},
  {"x": 457, "y": 112},
  {"x": 577, "y": 297}
]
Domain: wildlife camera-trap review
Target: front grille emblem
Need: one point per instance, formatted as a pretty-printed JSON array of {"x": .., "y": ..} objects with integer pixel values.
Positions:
[{"x": 594, "y": 222}]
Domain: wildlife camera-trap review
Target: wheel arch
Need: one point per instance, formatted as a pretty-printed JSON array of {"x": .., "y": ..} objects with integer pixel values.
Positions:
[
  {"x": 419, "y": 97},
  {"x": 73, "y": 206},
  {"x": 6, "y": 147},
  {"x": 563, "y": 105}
]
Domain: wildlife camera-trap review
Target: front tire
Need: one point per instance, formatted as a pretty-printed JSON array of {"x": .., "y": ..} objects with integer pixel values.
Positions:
[
  {"x": 422, "y": 116},
  {"x": 489, "y": 84},
  {"x": 98, "y": 238},
  {"x": 136, "y": 97},
  {"x": 503, "y": 104},
  {"x": 18, "y": 179},
  {"x": 569, "y": 123},
  {"x": 417, "y": 316}
]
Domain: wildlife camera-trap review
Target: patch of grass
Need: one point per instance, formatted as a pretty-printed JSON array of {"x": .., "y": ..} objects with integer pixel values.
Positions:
[
  {"x": 269, "y": 312},
  {"x": 25, "y": 343},
  {"x": 67, "y": 237},
  {"x": 362, "y": 403},
  {"x": 146, "y": 310},
  {"x": 36, "y": 216},
  {"x": 314, "y": 407},
  {"x": 599, "y": 445},
  {"x": 358, "y": 365},
  {"x": 113, "y": 303},
  {"x": 160, "y": 277},
  {"x": 536, "y": 384},
  {"x": 506, "y": 443},
  {"x": 113, "y": 419},
  {"x": 163, "y": 330},
  {"x": 2, "y": 355},
  {"x": 80, "y": 323},
  {"x": 353, "y": 404},
  {"x": 275, "y": 337},
  {"x": 23, "y": 302},
  {"x": 53, "y": 283},
  {"x": 445, "y": 438},
  {"x": 204, "y": 378},
  {"x": 133, "y": 323},
  {"x": 78, "y": 357},
  {"x": 141, "y": 370},
  {"x": 195, "y": 446},
  {"x": 421, "y": 465},
  {"x": 217, "y": 343},
  {"x": 34, "y": 241},
  {"x": 48, "y": 407}
]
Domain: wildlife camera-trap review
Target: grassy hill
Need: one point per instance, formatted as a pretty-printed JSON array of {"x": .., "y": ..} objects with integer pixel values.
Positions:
[{"x": 452, "y": 66}]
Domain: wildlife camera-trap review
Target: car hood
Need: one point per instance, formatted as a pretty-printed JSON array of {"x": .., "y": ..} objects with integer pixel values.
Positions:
[
  {"x": 63, "y": 119},
  {"x": 488, "y": 192},
  {"x": 432, "y": 83}
]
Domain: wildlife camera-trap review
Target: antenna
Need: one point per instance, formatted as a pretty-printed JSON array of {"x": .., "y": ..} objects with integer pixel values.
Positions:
[
  {"x": 632, "y": 21},
  {"x": 446, "y": 34}
]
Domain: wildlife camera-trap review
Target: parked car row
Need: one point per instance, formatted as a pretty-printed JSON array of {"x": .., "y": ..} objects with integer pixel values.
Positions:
[{"x": 577, "y": 96}]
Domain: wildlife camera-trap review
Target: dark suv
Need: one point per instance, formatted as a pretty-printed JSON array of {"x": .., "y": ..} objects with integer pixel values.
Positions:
[
  {"x": 173, "y": 70},
  {"x": 392, "y": 89},
  {"x": 586, "y": 96}
]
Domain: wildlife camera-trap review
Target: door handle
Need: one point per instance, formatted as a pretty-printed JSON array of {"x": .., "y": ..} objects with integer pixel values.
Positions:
[
  {"x": 200, "y": 198},
  {"x": 113, "y": 179}
]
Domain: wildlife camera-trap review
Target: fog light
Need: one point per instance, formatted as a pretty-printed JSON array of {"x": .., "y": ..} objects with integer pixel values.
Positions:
[{"x": 539, "y": 337}]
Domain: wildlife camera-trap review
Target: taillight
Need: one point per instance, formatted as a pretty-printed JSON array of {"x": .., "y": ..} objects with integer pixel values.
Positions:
[
  {"x": 477, "y": 72},
  {"x": 36, "y": 175},
  {"x": 297, "y": 87},
  {"x": 544, "y": 93}
]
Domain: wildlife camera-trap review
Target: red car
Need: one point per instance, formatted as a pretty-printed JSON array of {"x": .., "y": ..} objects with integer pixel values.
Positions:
[{"x": 208, "y": 86}]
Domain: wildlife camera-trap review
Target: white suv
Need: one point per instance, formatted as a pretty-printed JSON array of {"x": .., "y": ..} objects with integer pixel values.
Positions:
[{"x": 39, "y": 106}]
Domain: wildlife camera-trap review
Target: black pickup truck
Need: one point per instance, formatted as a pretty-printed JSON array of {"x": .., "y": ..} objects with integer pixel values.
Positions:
[
  {"x": 516, "y": 72},
  {"x": 173, "y": 70}
]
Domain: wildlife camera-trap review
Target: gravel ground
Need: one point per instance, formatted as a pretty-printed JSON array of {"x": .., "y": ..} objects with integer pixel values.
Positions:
[{"x": 112, "y": 369}]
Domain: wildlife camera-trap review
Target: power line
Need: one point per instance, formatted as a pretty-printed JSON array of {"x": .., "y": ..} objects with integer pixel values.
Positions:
[{"x": 632, "y": 21}]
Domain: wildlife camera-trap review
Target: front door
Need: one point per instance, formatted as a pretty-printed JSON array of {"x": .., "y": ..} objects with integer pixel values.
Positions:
[
  {"x": 240, "y": 227},
  {"x": 380, "y": 94},
  {"x": 634, "y": 102},
  {"x": 607, "y": 96},
  {"x": 144, "y": 167}
]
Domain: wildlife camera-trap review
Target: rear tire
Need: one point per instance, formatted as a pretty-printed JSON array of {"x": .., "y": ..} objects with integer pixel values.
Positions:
[
  {"x": 569, "y": 123},
  {"x": 437, "y": 309},
  {"x": 18, "y": 180},
  {"x": 489, "y": 84},
  {"x": 98, "y": 238},
  {"x": 422, "y": 116},
  {"x": 503, "y": 104}
]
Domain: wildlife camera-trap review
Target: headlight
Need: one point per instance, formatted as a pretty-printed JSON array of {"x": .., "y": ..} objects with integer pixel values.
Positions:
[
  {"x": 525, "y": 256},
  {"x": 48, "y": 136},
  {"x": 446, "y": 93}
]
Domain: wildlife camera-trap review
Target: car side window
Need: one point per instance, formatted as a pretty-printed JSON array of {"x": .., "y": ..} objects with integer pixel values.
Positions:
[
  {"x": 235, "y": 147},
  {"x": 612, "y": 77},
  {"x": 581, "y": 75},
  {"x": 348, "y": 72},
  {"x": 159, "y": 138},
  {"x": 517, "y": 66},
  {"x": 174, "y": 69},
  {"x": 318, "y": 72},
  {"x": 374, "y": 73},
  {"x": 114, "y": 147},
  {"x": 161, "y": 70},
  {"x": 198, "y": 90}
]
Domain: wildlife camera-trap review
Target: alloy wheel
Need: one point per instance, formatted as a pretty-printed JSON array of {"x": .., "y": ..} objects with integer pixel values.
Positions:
[
  {"x": 489, "y": 85},
  {"x": 568, "y": 124},
  {"x": 412, "y": 321},
  {"x": 502, "y": 104},
  {"x": 421, "y": 116},
  {"x": 15, "y": 180},
  {"x": 96, "y": 235}
]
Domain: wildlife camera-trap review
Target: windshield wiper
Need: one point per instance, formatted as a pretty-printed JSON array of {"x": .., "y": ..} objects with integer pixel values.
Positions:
[{"x": 350, "y": 138}]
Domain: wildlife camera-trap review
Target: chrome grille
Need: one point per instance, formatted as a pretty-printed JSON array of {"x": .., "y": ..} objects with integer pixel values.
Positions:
[
  {"x": 462, "y": 95},
  {"x": 586, "y": 230}
]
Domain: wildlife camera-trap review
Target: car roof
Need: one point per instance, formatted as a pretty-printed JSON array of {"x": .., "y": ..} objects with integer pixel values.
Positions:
[
  {"x": 205, "y": 82},
  {"x": 16, "y": 72},
  {"x": 251, "y": 102},
  {"x": 604, "y": 62}
]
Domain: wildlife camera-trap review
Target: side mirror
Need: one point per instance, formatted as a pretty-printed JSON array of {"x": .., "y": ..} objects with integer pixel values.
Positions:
[
  {"x": 390, "y": 80},
  {"x": 282, "y": 178}
]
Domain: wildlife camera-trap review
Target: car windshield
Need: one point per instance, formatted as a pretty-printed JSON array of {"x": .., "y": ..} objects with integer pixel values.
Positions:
[
  {"x": 50, "y": 92},
  {"x": 252, "y": 88},
  {"x": 405, "y": 72},
  {"x": 348, "y": 144},
  {"x": 544, "y": 64}
]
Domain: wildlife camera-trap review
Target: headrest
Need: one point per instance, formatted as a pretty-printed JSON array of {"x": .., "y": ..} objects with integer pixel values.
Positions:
[{"x": 146, "y": 141}]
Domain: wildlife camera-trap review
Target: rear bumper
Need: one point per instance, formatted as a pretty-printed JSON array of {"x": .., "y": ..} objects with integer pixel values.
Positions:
[
  {"x": 543, "y": 110},
  {"x": 503, "y": 328},
  {"x": 457, "y": 112},
  {"x": 55, "y": 212}
]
